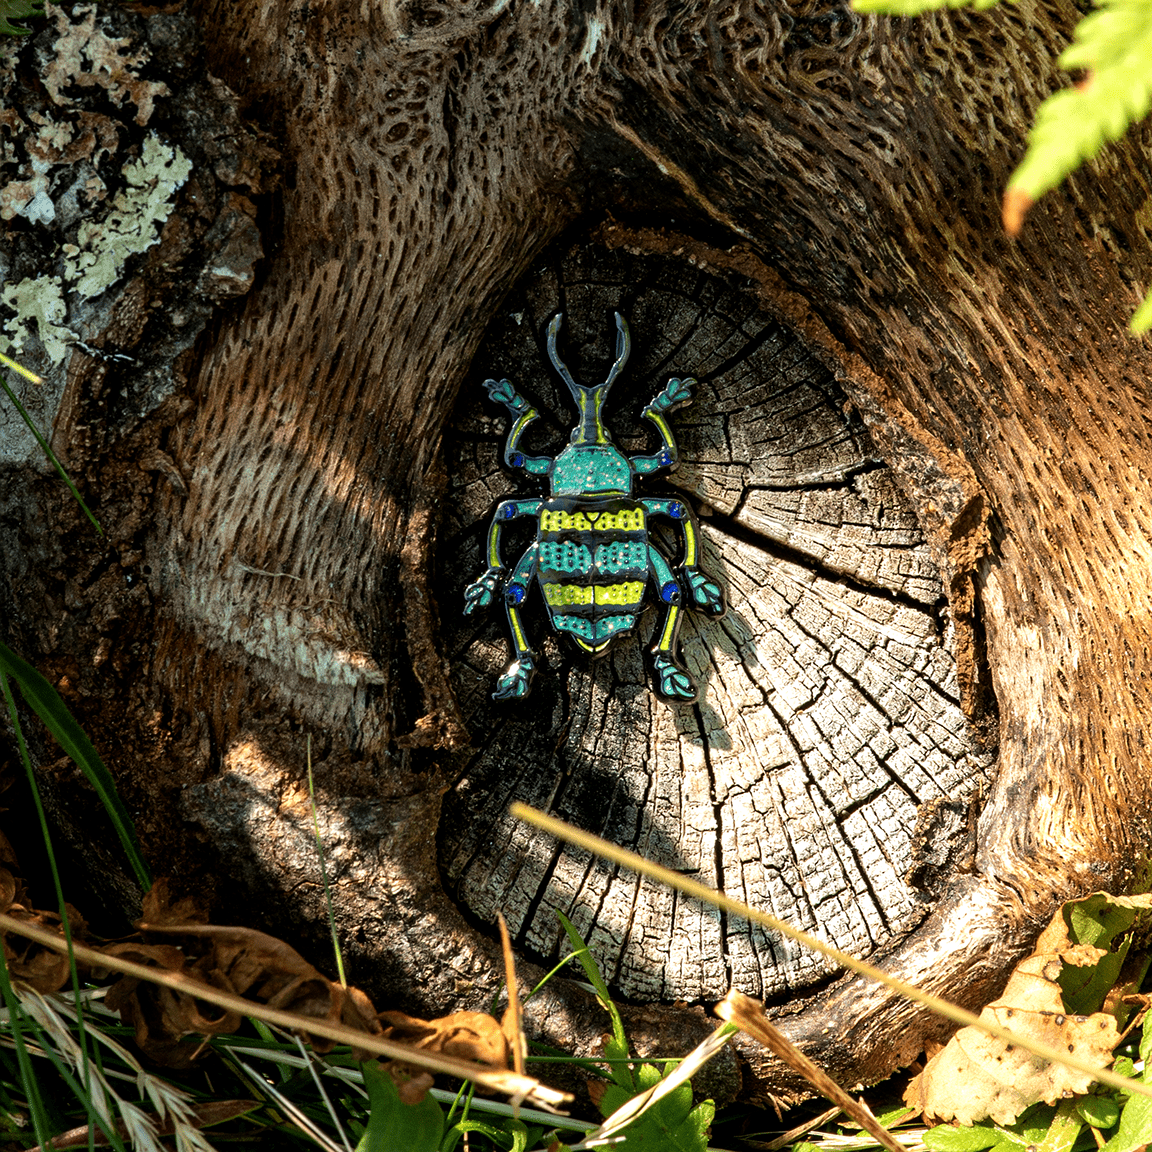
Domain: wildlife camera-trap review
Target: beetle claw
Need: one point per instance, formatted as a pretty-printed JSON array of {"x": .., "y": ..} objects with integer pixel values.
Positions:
[
  {"x": 480, "y": 593},
  {"x": 673, "y": 682},
  {"x": 707, "y": 595},
  {"x": 502, "y": 392},
  {"x": 516, "y": 683}
]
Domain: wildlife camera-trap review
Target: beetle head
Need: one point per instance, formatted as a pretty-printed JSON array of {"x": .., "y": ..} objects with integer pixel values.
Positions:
[{"x": 590, "y": 401}]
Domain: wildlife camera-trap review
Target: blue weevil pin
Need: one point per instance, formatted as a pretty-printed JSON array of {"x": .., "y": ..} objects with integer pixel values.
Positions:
[{"x": 592, "y": 555}]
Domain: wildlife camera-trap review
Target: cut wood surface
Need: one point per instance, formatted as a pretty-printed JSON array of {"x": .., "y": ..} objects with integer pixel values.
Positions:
[
  {"x": 829, "y": 709},
  {"x": 920, "y": 453}
]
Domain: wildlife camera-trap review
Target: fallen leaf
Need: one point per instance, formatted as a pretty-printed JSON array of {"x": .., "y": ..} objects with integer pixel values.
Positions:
[
  {"x": 466, "y": 1035},
  {"x": 978, "y": 1076}
]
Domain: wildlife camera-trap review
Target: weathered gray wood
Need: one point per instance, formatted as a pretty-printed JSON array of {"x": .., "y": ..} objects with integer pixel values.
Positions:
[
  {"x": 431, "y": 152},
  {"x": 829, "y": 710}
]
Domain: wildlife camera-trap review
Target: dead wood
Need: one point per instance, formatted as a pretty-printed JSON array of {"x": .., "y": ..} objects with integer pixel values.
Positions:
[{"x": 922, "y": 448}]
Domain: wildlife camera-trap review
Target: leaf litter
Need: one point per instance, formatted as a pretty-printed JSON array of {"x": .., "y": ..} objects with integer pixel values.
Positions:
[{"x": 1075, "y": 993}]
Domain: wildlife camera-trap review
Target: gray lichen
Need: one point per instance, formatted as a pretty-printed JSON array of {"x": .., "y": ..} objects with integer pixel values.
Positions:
[
  {"x": 39, "y": 300},
  {"x": 130, "y": 226}
]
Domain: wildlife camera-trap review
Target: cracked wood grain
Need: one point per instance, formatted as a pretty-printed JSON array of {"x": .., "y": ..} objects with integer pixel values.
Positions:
[{"x": 830, "y": 709}]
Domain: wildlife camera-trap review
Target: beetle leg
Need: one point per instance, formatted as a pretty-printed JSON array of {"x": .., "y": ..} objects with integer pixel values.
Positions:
[
  {"x": 706, "y": 594},
  {"x": 516, "y": 682},
  {"x": 502, "y": 392},
  {"x": 675, "y": 394},
  {"x": 482, "y": 592},
  {"x": 672, "y": 680}
]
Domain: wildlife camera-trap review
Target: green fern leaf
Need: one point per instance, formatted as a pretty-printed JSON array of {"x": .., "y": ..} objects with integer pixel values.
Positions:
[
  {"x": 1141, "y": 320},
  {"x": 918, "y": 7},
  {"x": 1115, "y": 45},
  {"x": 18, "y": 10}
]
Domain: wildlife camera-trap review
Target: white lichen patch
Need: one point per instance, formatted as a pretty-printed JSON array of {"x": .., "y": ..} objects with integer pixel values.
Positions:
[
  {"x": 131, "y": 224},
  {"x": 88, "y": 58},
  {"x": 40, "y": 301}
]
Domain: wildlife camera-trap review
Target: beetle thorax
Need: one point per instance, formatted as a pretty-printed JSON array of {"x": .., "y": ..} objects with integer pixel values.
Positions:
[{"x": 591, "y": 470}]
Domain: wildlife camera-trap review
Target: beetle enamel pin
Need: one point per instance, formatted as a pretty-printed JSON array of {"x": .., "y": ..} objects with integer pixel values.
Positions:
[{"x": 593, "y": 557}]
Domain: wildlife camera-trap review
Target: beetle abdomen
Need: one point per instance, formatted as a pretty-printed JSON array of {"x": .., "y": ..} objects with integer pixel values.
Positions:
[{"x": 592, "y": 565}]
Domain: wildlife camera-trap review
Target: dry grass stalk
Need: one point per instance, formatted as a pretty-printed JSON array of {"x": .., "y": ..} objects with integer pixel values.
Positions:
[
  {"x": 699, "y": 891},
  {"x": 748, "y": 1015},
  {"x": 518, "y": 1087}
]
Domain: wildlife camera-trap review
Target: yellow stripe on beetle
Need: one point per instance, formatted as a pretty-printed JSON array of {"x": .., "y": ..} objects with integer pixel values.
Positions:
[
  {"x": 626, "y": 520},
  {"x": 563, "y": 595},
  {"x": 629, "y": 592}
]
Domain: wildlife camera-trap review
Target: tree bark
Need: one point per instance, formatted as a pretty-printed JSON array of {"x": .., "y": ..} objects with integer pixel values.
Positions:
[{"x": 839, "y": 178}]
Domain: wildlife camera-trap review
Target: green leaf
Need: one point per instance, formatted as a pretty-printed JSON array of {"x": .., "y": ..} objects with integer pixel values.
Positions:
[
  {"x": 1098, "y": 919},
  {"x": 45, "y": 701},
  {"x": 1142, "y": 318},
  {"x": 18, "y": 10},
  {"x": 1099, "y": 1111},
  {"x": 1124, "y": 1066},
  {"x": 1063, "y": 1130},
  {"x": 1135, "y": 1126},
  {"x": 1072, "y": 125},
  {"x": 1083, "y": 988},
  {"x": 1146, "y": 1045},
  {"x": 945, "y": 1138},
  {"x": 671, "y": 1123},
  {"x": 394, "y": 1126}
]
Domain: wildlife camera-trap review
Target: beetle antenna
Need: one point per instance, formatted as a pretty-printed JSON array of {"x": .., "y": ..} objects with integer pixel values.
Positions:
[
  {"x": 623, "y": 348},
  {"x": 554, "y": 356}
]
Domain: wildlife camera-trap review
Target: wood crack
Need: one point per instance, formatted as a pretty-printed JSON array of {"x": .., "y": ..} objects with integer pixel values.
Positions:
[{"x": 731, "y": 526}]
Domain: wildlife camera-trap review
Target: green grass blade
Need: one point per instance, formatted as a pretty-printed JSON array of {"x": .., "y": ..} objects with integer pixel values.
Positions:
[
  {"x": 580, "y": 950},
  {"x": 615, "y": 1049},
  {"x": 48, "y": 451},
  {"x": 66, "y": 926},
  {"x": 45, "y": 701},
  {"x": 18, "y": 1022}
]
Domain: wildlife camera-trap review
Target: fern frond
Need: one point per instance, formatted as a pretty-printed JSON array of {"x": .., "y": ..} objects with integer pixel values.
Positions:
[
  {"x": 918, "y": 7},
  {"x": 1141, "y": 320},
  {"x": 1115, "y": 45}
]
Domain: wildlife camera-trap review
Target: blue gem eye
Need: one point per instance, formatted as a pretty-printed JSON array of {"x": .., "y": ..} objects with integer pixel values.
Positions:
[
  {"x": 670, "y": 593},
  {"x": 515, "y": 594},
  {"x": 665, "y": 458},
  {"x": 516, "y": 460},
  {"x": 677, "y": 510},
  {"x": 508, "y": 511}
]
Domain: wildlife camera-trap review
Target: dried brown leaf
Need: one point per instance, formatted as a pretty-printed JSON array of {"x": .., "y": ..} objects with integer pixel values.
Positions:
[
  {"x": 978, "y": 1076},
  {"x": 411, "y": 1085},
  {"x": 472, "y": 1036},
  {"x": 41, "y": 968},
  {"x": 162, "y": 1017},
  {"x": 260, "y": 967}
]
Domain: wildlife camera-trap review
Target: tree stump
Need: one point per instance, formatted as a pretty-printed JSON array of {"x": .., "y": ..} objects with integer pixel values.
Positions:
[
  {"x": 919, "y": 452},
  {"x": 829, "y": 717}
]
